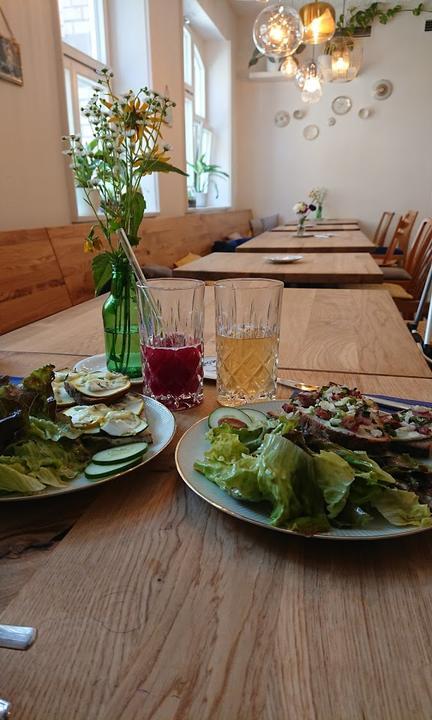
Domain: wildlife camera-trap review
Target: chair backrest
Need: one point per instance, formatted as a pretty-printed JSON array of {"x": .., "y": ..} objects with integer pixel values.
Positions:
[
  {"x": 382, "y": 228},
  {"x": 401, "y": 237},
  {"x": 420, "y": 258}
]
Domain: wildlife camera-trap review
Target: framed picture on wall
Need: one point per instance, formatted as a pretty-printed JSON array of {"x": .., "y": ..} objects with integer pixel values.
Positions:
[{"x": 10, "y": 61}]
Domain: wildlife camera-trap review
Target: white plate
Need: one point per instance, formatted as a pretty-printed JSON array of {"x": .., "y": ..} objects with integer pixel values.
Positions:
[
  {"x": 277, "y": 259},
  {"x": 98, "y": 362},
  {"x": 162, "y": 425},
  {"x": 191, "y": 447},
  {"x": 209, "y": 366}
]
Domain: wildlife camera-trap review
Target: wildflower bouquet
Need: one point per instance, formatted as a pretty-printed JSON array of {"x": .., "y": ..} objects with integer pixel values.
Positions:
[
  {"x": 302, "y": 210},
  {"x": 127, "y": 144},
  {"x": 318, "y": 195}
]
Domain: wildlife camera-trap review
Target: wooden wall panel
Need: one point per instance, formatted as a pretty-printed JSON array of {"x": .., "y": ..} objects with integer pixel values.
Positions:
[
  {"x": 75, "y": 264},
  {"x": 163, "y": 242},
  {"x": 31, "y": 283},
  {"x": 46, "y": 270}
]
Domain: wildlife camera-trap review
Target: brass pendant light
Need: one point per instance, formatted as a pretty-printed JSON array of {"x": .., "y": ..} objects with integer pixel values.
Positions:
[{"x": 319, "y": 22}]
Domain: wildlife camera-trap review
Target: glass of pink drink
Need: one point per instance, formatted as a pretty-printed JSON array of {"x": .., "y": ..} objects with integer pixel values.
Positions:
[{"x": 172, "y": 344}]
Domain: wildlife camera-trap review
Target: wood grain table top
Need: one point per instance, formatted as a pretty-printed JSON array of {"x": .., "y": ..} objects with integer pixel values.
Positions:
[
  {"x": 321, "y": 330},
  {"x": 155, "y": 605},
  {"x": 151, "y": 604},
  {"x": 314, "y": 269},
  {"x": 317, "y": 226},
  {"x": 287, "y": 242}
]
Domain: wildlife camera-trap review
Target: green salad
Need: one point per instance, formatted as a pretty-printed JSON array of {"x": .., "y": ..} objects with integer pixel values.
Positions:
[
  {"x": 309, "y": 485},
  {"x": 36, "y": 449}
]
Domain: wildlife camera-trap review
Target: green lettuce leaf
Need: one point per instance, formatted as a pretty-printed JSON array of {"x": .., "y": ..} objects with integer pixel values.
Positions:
[
  {"x": 13, "y": 477},
  {"x": 286, "y": 477},
  {"x": 364, "y": 467},
  {"x": 334, "y": 476},
  {"x": 238, "y": 478},
  {"x": 401, "y": 507},
  {"x": 225, "y": 444}
]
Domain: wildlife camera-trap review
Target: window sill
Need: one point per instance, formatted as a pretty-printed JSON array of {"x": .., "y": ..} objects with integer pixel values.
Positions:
[
  {"x": 91, "y": 218},
  {"x": 209, "y": 209}
]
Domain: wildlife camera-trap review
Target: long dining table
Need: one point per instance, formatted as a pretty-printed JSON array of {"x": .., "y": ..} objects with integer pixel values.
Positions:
[
  {"x": 150, "y": 603},
  {"x": 312, "y": 269},
  {"x": 313, "y": 241}
]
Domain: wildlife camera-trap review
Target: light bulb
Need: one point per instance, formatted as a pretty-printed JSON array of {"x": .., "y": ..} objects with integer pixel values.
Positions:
[
  {"x": 278, "y": 30},
  {"x": 319, "y": 22},
  {"x": 309, "y": 81},
  {"x": 346, "y": 56},
  {"x": 289, "y": 67}
]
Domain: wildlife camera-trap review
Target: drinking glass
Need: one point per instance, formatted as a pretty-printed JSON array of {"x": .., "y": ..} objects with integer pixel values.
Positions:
[
  {"x": 247, "y": 339},
  {"x": 172, "y": 344}
]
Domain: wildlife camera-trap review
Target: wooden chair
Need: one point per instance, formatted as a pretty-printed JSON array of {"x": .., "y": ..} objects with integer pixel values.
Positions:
[
  {"x": 400, "y": 240},
  {"x": 32, "y": 284},
  {"x": 406, "y": 293},
  {"x": 382, "y": 228}
]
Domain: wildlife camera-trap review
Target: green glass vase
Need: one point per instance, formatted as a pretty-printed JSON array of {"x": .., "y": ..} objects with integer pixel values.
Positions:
[
  {"x": 318, "y": 214},
  {"x": 120, "y": 320}
]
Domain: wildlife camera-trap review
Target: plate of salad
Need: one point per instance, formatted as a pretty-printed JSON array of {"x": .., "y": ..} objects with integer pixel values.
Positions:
[
  {"x": 68, "y": 430},
  {"x": 329, "y": 464}
]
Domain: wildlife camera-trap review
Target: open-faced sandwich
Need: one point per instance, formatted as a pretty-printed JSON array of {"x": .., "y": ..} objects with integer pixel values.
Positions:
[
  {"x": 47, "y": 439},
  {"x": 340, "y": 414}
]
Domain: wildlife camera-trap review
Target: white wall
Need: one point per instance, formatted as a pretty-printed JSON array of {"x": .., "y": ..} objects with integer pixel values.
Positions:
[
  {"x": 33, "y": 186},
  {"x": 384, "y": 162},
  {"x": 34, "y": 190}
]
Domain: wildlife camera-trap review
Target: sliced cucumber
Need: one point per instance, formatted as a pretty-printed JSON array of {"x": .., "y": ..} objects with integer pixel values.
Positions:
[
  {"x": 119, "y": 454},
  {"x": 258, "y": 417},
  {"x": 232, "y": 416},
  {"x": 95, "y": 471}
]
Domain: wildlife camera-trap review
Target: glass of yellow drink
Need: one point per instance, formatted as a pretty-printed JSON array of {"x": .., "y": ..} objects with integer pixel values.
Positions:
[{"x": 247, "y": 339}]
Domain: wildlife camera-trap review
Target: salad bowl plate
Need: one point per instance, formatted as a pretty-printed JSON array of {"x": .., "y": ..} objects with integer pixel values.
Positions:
[
  {"x": 162, "y": 424},
  {"x": 192, "y": 447}
]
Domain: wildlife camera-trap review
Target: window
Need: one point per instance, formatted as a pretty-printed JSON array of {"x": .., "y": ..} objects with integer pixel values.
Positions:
[
  {"x": 198, "y": 133},
  {"x": 83, "y": 27}
]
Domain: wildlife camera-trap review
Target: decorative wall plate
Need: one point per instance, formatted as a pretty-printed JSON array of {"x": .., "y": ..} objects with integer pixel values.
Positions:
[
  {"x": 341, "y": 105},
  {"x": 382, "y": 89},
  {"x": 311, "y": 132},
  {"x": 281, "y": 118},
  {"x": 299, "y": 114},
  {"x": 331, "y": 121},
  {"x": 364, "y": 113}
]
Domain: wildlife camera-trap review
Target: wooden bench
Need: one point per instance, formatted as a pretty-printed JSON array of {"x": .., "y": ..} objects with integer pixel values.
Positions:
[
  {"x": 32, "y": 285},
  {"x": 47, "y": 270}
]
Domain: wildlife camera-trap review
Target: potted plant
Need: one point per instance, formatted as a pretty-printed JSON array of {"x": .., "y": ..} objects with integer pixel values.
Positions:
[
  {"x": 203, "y": 175},
  {"x": 127, "y": 145}
]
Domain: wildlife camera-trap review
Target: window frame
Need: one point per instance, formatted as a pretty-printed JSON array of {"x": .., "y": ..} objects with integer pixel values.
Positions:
[
  {"x": 82, "y": 57},
  {"x": 199, "y": 122}
]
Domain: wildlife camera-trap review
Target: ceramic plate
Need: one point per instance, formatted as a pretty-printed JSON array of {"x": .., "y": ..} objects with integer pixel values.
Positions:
[
  {"x": 283, "y": 259},
  {"x": 341, "y": 105},
  {"x": 311, "y": 132},
  {"x": 162, "y": 425},
  {"x": 98, "y": 362},
  {"x": 192, "y": 447}
]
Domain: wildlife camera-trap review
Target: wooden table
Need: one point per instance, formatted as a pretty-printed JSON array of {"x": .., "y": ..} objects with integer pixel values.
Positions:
[
  {"x": 346, "y": 241},
  {"x": 315, "y": 268},
  {"x": 321, "y": 330},
  {"x": 325, "y": 221},
  {"x": 317, "y": 226},
  {"x": 150, "y": 604}
]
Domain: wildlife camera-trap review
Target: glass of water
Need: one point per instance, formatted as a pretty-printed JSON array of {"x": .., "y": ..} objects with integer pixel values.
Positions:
[{"x": 247, "y": 339}]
